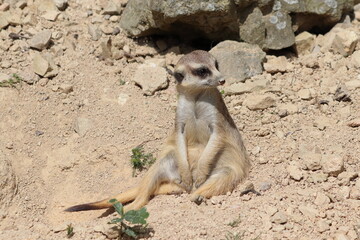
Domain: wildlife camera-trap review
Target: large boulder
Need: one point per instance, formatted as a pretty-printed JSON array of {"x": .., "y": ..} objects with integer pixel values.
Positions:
[{"x": 269, "y": 24}]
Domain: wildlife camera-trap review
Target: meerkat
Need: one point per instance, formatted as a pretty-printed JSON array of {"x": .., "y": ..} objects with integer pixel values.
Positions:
[{"x": 205, "y": 155}]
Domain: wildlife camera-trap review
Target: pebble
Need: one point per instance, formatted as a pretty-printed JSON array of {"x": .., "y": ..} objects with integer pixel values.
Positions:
[
  {"x": 40, "y": 65},
  {"x": 66, "y": 88},
  {"x": 309, "y": 211},
  {"x": 259, "y": 102},
  {"x": 279, "y": 218},
  {"x": 112, "y": 8},
  {"x": 354, "y": 123},
  {"x": 332, "y": 164},
  {"x": 82, "y": 125},
  {"x": 310, "y": 156},
  {"x": 321, "y": 199},
  {"x": 264, "y": 186},
  {"x": 295, "y": 172},
  {"x": 94, "y": 32},
  {"x": 277, "y": 64},
  {"x": 41, "y": 40},
  {"x": 61, "y": 4},
  {"x": 322, "y": 226},
  {"x": 51, "y": 15}
]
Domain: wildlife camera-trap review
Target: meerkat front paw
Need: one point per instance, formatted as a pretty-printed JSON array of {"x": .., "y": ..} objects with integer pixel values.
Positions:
[
  {"x": 199, "y": 179},
  {"x": 184, "y": 182},
  {"x": 198, "y": 199}
]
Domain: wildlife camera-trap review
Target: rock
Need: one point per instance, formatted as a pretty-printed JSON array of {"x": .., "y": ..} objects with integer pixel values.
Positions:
[
  {"x": 323, "y": 122},
  {"x": 253, "y": 29},
  {"x": 342, "y": 94},
  {"x": 352, "y": 85},
  {"x": 279, "y": 32},
  {"x": 151, "y": 78},
  {"x": 266, "y": 23},
  {"x": 306, "y": 94},
  {"x": 345, "y": 42},
  {"x": 45, "y": 5},
  {"x": 41, "y": 40},
  {"x": 4, "y": 7},
  {"x": 30, "y": 19},
  {"x": 112, "y": 9},
  {"x": 51, "y": 15},
  {"x": 40, "y": 65},
  {"x": 94, "y": 32},
  {"x": 295, "y": 172},
  {"x": 247, "y": 87},
  {"x": 354, "y": 123},
  {"x": 123, "y": 98},
  {"x": 21, "y": 4},
  {"x": 322, "y": 226},
  {"x": 277, "y": 64},
  {"x": 61, "y": 4},
  {"x": 304, "y": 43},
  {"x": 106, "y": 48},
  {"x": 288, "y": 109},
  {"x": 66, "y": 88},
  {"x": 318, "y": 177},
  {"x": 321, "y": 199},
  {"x": 259, "y": 102},
  {"x": 355, "y": 190},
  {"x": 346, "y": 177},
  {"x": 4, "y": 77},
  {"x": 332, "y": 164},
  {"x": 82, "y": 125},
  {"x": 341, "y": 236},
  {"x": 355, "y": 59},
  {"x": 8, "y": 183},
  {"x": 238, "y": 60},
  {"x": 279, "y": 218},
  {"x": 310, "y": 156},
  {"x": 264, "y": 186},
  {"x": 309, "y": 211},
  {"x": 3, "y": 20}
]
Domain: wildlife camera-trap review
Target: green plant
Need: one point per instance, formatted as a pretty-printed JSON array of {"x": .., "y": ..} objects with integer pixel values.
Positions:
[
  {"x": 137, "y": 218},
  {"x": 122, "y": 82},
  {"x": 233, "y": 236},
  {"x": 11, "y": 82},
  {"x": 140, "y": 160},
  {"x": 235, "y": 222},
  {"x": 69, "y": 231},
  {"x": 222, "y": 92}
]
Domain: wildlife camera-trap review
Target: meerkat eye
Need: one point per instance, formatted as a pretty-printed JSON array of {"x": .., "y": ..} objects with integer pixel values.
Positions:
[
  {"x": 217, "y": 65},
  {"x": 202, "y": 72},
  {"x": 179, "y": 77}
]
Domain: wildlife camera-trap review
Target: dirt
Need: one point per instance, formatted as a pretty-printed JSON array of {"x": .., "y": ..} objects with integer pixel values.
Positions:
[{"x": 57, "y": 167}]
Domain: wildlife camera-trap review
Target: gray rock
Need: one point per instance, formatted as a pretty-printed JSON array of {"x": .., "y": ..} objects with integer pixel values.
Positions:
[
  {"x": 332, "y": 164},
  {"x": 238, "y": 60},
  {"x": 8, "y": 183},
  {"x": 266, "y": 23},
  {"x": 40, "y": 65},
  {"x": 112, "y": 9},
  {"x": 151, "y": 78},
  {"x": 94, "y": 32},
  {"x": 264, "y": 186},
  {"x": 279, "y": 30},
  {"x": 82, "y": 125},
  {"x": 259, "y": 102},
  {"x": 41, "y": 40}
]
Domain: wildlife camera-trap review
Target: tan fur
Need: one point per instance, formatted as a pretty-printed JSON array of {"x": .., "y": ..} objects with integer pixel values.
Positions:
[{"x": 205, "y": 155}]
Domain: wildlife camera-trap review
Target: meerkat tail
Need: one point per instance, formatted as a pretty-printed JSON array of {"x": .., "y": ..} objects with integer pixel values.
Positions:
[{"x": 122, "y": 197}]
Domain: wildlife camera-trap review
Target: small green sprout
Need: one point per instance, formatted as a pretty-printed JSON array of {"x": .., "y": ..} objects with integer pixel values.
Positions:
[
  {"x": 11, "y": 82},
  {"x": 136, "y": 219},
  {"x": 69, "y": 231},
  {"x": 140, "y": 160}
]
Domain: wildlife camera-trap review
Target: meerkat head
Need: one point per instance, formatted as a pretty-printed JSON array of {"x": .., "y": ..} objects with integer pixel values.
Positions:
[{"x": 198, "y": 69}]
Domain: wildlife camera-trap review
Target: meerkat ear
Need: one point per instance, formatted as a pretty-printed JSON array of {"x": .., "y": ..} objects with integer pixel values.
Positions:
[{"x": 179, "y": 77}]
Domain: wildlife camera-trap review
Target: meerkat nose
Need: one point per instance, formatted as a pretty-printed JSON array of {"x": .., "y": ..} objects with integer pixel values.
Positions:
[{"x": 222, "y": 81}]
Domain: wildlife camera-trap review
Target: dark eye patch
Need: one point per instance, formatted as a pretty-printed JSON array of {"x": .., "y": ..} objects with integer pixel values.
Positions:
[
  {"x": 217, "y": 65},
  {"x": 179, "y": 77},
  {"x": 202, "y": 72}
]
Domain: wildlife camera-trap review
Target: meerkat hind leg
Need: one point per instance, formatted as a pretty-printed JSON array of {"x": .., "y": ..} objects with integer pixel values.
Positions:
[
  {"x": 158, "y": 180},
  {"x": 220, "y": 182}
]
